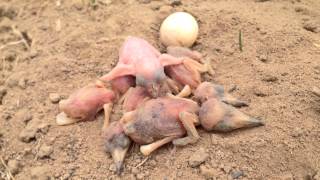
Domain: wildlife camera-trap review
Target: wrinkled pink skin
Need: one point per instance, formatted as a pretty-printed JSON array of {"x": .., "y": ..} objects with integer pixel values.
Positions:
[
  {"x": 183, "y": 76},
  {"x": 139, "y": 58},
  {"x": 134, "y": 98},
  {"x": 179, "y": 72},
  {"x": 122, "y": 84},
  {"x": 208, "y": 90},
  {"x": 84, "y": 103},
  {"x": 159, "y": 118}
]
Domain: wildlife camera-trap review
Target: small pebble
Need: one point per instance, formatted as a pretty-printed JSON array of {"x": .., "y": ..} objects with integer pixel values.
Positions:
[
  {"x": 113, "y": 167},
  {"x": 45, "y": 151},
  {"x": 24, "y": 116},
  {"x": 54, "y": 97},
  {"x": 198, "y": 157},
  {"x": 140, "y": 176},
  {"x": 22, "y": 83},
  {"x": 311, "y": 26},
  {"x": 236, "y": 174},
  {"x": 14, "y": 167},
  {"x": 208, "y": 172},
  {"x": 263, "y": 58}
]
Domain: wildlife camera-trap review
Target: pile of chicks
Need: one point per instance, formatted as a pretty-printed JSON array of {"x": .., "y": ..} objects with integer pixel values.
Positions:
[{"x": 163, "y": 99}]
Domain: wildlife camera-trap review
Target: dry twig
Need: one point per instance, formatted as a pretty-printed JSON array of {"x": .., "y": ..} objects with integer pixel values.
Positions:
[
  {"x": 8, "y": 172},
  {"x": 140, "y": 164},
  {"x": 19, "y": 33}
]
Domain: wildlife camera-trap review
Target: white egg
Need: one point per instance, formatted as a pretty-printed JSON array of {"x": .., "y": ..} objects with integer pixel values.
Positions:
[{"x": 179, "y": 29}]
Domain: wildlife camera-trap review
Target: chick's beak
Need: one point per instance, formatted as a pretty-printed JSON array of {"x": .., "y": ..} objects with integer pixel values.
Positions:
[{"x": 118, "y": 156}]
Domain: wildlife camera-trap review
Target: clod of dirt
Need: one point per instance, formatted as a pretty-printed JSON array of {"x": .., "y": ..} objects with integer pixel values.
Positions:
[
  {"x": 317, "y": 176},
  {"x": 144, "y": 1},
  {"x": 14, "y": 166},
  {"x": 43, "y": 127},
  {"x": 40, "y": 173},
  {"x": 315, "y": 90},
  {"x": 198, "y": 157},
  {"x": 27, "y": 153},
  {"x": 134, "y": 170},
  {"x": 29, "y": 132},
  {"x": 164, "y": 11},
  {"x": 6, "y": 115},
  {"x": 105, "y": 2},
  {"x": 237, "y": 174},
  {"x": 208, "y": 172},
  {"x": 12, "y": 81},
  {"x": 179, "y": 173},
  {"x": 263, "y": 58},
  {"x": 54, "y": 97},
  {"x": 3, "y": 92},
  {"x": 113, "y": 168},
  {"x": 7, "y": 11},
  {"x": 311, "y": 26},
  {"x": 269, "y": 78},
  {"x": 175, "y": 2},
  {"x": 10, "y": 56},
  {"x": 24, "y": 115},
  {"x": 22, "y": 83},
  {"x": 301, "y": 9},
  {"x": 5, "y": 25},
  {"x": 45, "y": 151},
  {"x": 226, "y": 169},
  {"x": 262, "y": 0},
  {"x": 140, "y": 176},
  {"x": 260, "y": 92},
  {"x": 286, "y": 176}
]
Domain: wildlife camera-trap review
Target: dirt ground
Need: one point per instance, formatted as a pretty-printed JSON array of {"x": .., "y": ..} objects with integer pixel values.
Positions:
[{"x": 47, "y": 47}]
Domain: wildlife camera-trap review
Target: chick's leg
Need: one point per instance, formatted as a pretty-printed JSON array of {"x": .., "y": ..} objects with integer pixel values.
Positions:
[
  {"x": 107, "y": 112},
  {"x": 186, "y": 91},
  {"x": 149, "y": 148},
  {"x": 167, "y": 60},
  {"x": 179, "y": 51},
  {"x": 119, "y": 70},
  {"x": 192, "y": 64},
  {"x": 173, "y": 85},
  {"x": 127, "y": 117},
  {"x": 188, "y": 120}
]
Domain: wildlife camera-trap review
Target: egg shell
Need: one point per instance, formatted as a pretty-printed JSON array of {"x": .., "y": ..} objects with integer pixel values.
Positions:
[{"x": 179, "y": 29}]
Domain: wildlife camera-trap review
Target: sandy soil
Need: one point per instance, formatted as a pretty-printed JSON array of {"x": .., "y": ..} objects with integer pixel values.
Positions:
[{"x": 66, "y": 46}]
